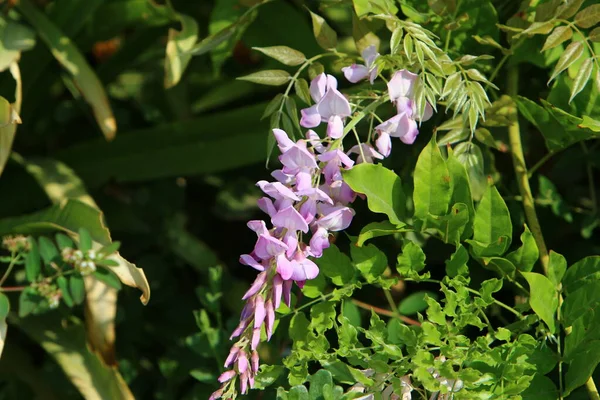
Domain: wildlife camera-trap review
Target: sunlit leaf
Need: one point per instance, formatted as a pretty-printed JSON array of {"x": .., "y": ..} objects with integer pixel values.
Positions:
[
  {"x": 569, "y": 56},
  {"x": 274, "y": 77},
  {"x": 582, "y": 77},
  {"x": 492, "y": 224},
  {"x": 543, "y": 297},
  {"x": 283, "y": 54},
  {"x": 4, "y": 309},
  {"x": 559, "y": 35},
  {"x": 178, "y": 49},
  {"x": 326, "y": 37}
]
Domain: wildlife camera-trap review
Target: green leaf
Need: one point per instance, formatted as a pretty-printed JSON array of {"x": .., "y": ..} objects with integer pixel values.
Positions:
[
  {"x": 351, "y": 312},
  {"x": 85, "y": 240},
  {"x": 69, "y": 217},
  {"x": 470, "y": 155},
  {"x": 525, "y": 256},
  {"x": 370, "y": 261},
  {"x": 412, "y": 259},
  {"x": 336, "y": 265},
  {"x": 68, "y": 346},
  {"x": 49, "y": 252},
  {"x": 322, "y": 316},
  {"x": 33, "y": 265},
  {"x": 108, "y": 277},
  {"x": 590, "y": 123},
  {"x": 559, "y": 35},
  {"x": 540, "y": 388},
  {"x": 538, "y": 28},
  {"x": 582, "y": 272},
  {"x": 543, "y": 297},
  {"x": 568, "y": 57},
  {"x": 488, "y": 288},
  {"x": 273, "y": 77},
  {"x": 451, "y": 226},
  {"x": 557, "y": 266},
  {"x": 179, "y": 45},
  {"x": 64, "y": 241},
  {"x": 30, "y": 302},
  {"x": 69, "y": 56},
  {"x": 302, "y": 90},
  {"x": 415, "y": 302},
  {"x": 63, "y": 285},
  {"x": 549, "y": 193},
  {"x": 326, "y": 37},
  {"x": 582, "y": 77},
  {"x": 594, "y": 35},
  {"x": 7, "y": 133},
  {"x": 461, "y": 190},
  {"x": 485, "y": 137},
  {"x": 432, "y": 182},
  {"x": 457, "y": 264},
  {"x": 492, "y": 224},
  {"x": 267, "y": 375},
  {"x": 568, "y": 8},
  {"x": 77, "y": 288},
  {"x": 378, "y": 229},
  {"x": 283, "y": 54},
  {"x": 382, "y": 187},
  {"x": 501, "y": 266},
  {"x": 344, "y": 373},
  {"x": 588, "y": 17}
]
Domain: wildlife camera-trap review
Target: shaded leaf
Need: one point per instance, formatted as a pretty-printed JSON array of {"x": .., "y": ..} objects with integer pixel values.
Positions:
[
  {"x": 377, "y": 229},
  {"x": 569, "y": 8},
  {"x": 326, "y": 37},
  {"x": 588, "y": 17},
  {"x": 7, "y": 132},
  {"x": 4, "y": 309},
  {"x": 69, "y": 56},
  {"x": 179, "y": 45},
  {"x": 557, "y": 266},
  {"x": 525, "y": 256},
  {"x": 582, "y": 272},
  {"x": 559, "y": 35}
]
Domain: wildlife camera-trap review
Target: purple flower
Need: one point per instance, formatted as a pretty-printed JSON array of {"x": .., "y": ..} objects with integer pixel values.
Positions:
[
  {"x": 331, "y": 106},
  {"x": 268, "y": 247},
  {"x": 335, "y": 218},
  {"x": 357, "y": 72},
  {"x": 369, "y": 152},
  {"x": 227, "y": 376},
  {"x": 400, "y": 126},
  {"x": 319, "y": 242}
]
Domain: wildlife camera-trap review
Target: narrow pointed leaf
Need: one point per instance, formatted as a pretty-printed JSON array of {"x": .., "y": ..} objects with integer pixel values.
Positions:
[
  {"x": 588, "y": 17},
  {"x": 274, "y": 77},
  {"x": 582, "y": 78},
  {"x": 283, "y": 54},
  {"x": 325, "y": 36},
  {"x": 4, "y": 309},
  {"x": 569, "y": 8},
  {"x": 492, "y": 224},
  {"x": 559, "y": 35},
  {"x": 570, "y": 56},
  {"x": 594, "y": 35},
  {"x": 179, "y": 45}
]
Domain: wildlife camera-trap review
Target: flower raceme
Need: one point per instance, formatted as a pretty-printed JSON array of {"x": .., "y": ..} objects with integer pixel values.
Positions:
[{"x": 306, "y": 202}]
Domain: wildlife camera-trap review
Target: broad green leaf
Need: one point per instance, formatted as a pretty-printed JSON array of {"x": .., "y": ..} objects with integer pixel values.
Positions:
[
  {"x": 582, "y": 272},
  {"x": 69, "y": 56},
  {"x": 14, "y": 38},
  {"x": 559, "y": 128},
  {"x": 30, "y": 302},
  {"x": 488, "y": 288},
  {"x": 4, "y": 309},
  {"x": 326, "y": 37},
  {"x": 378, "y": 229},
  {"x": 433, "y": 186},
  {"x": 581, "y": 368},
  {"x": 457, "y": 264},
  {"x": 179, "y": 45},
  {"x": 569, "y": 56},
  {"x": 77, "y": 288},
  {"x": 471, "y": 157},
  {"x": 559, "y": 35},
  {"x": 451, "y": 226},
  {"x": 582, "y": 77},
  {"x": 588, "y": 17},
  {"x": 351, "y": 312},
  {"x": 65, "y": 341},
  {"x": 302, "y": 90},
  {"x": 363, "y": 37},
  {"x": 540, "y": 388},
  {"x": 492, "y": 224},
  {"x": 33, "y": 265},
  {"x": 69, "y": 217},
  {"x": 369, "y": 260},
  {"x": 382, "y": 187},
  {"x": 412, "y": 259},
  {"x": 501, "y": 266},
  {"x": 568, "y": 8},
  {"x": 344, "y": 373},
  {"x": 538, "y": 28},
  {"x": 284, "y": 54},
  {"x": 267, "y": 375},
  {"x": 543, "y": 297},
  {"x": 273, "y": 77},
  {"x": 361, "y": 7},
  {"x": 557, "y": 266},
  {"x": 85, "y": 240},
  {"x": 525, "y": 256},
  {"x": 318, "y": 382},
  {"x": 590, "y": 123},
  {"x": 461, "y": 190},
  {"x": 415, "y": 302}
]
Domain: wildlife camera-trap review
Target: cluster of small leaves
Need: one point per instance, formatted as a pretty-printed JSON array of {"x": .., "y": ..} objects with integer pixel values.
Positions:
[
  {"x": 54, "y": 270},
  {"x": 554, "y": 19}
]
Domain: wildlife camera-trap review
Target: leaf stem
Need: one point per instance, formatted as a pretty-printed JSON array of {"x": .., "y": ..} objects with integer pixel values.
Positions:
[
  {"x": 514, "y": 135},
  {"x": 538, "y": 164},
  {"x": 13, "y": 288},
  {"x": 11, "y": 265}
]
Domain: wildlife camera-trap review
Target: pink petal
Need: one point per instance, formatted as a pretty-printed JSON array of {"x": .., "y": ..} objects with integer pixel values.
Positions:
[
  {"x": 383, "y": 144},
  {"x": 310, "y": 117},
  {"x": 277, "y": 291},
  {"x": 266, "y": 206},
  {"x": 333, "y": 103},
  {"x": 291, "y": 219},
  {"x": 283, "y": 140},
  {"x": 318, "y": 86},
  {"x": 401, "y": 84},
  {"x": 227, "y": 376},
  {"x": 259, "y": 312},
  {"x": 335, "y": 127},
  {"x": 256, "y": 286},
  {"x": 284, "y": 267},
  {"x": 355, "y": 72},
  {"x": 247, "y": 259}
]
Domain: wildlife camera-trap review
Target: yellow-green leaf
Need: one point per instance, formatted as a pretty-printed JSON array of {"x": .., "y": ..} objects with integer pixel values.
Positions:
[
  {"x": 559, "y": 35},
  {"x": 569, "y": 8},
  {"x": 273, "y": 77},
  {"x": 284, "y": 54},
  {"x": 325, "y": 36},
  {"x": 582, "y": 78},
  {"x": 543, "y": 297},
  {"x": 588, "y": 17},
  {"x": 7, "y": 132},
  {"x": 69, "y": 56},
  {"x": 178, "y": 49},
  {"x": 4, "y": 309},
  {"x": 570, "y": 55},
  {"x": 538, "y": 28}
]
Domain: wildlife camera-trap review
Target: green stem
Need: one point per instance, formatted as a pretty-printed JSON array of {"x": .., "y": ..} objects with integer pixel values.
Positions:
[
  {"x": 391, "y": 302},
  {"x": 514, "y": 135},
  {"x": 11, "y": 265},
  {"x": 592, "y": 390},
  {"x": 538, "y": 164}
]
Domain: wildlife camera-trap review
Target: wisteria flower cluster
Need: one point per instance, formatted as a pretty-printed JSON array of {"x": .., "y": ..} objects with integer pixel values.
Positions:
[{"x": 307, "y": 201}]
